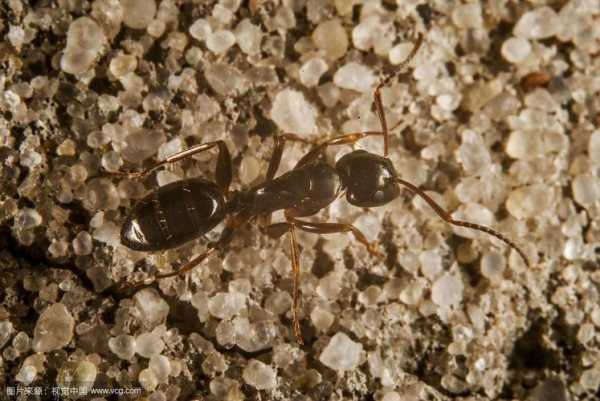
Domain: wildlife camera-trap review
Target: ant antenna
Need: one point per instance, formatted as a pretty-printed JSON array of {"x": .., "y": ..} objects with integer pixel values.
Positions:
[
  {"x": 446, "y": 217},
  {"x": 385, "y": 81}
]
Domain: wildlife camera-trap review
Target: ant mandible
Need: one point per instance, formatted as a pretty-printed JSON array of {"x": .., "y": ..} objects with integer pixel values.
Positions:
[{"x": 184, "y": 210}]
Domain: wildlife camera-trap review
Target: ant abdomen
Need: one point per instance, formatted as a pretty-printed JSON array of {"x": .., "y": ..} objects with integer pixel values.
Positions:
[{"x": 173, "y": 215}]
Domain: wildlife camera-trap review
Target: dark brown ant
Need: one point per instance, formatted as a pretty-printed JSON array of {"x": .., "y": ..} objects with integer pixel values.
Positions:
[{"x": 184, "y": 210}]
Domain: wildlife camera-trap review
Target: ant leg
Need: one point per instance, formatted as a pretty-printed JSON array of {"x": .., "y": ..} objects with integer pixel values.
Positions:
[
  {"x": 346, "y": 139},
  {"x": 275, "y": 160},
  {"x": 223, "y": 172},
  {"x": 448, "y": 218},
  {"x": 331, "y": 228},
  {"x": 295, "y": 255},
  {"x": 224, "y": 239},
  {"x": 384, "y": 82}
]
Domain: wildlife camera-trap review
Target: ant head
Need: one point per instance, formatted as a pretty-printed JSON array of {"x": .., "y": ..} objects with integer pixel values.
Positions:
[{"x": 370, "y": 180}]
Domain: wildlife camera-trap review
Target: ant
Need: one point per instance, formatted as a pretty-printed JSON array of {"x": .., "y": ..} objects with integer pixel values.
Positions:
[{"x": 184, "y": 210}]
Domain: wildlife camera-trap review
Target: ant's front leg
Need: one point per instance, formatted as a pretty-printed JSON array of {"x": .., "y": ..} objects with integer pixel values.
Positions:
[
  {"x": 377, "y": 95},
  {"x": 222, "y": 174}
]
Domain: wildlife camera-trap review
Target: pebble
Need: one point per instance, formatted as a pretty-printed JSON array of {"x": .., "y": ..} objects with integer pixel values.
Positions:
[
  {"x": 138, "y": 14},
  {"x": 473, "y": 154},
  {"x": 161, "y": 366},
  {"x": 16, "y": 36},
  {"x": 447, "y": 291},
  {"x": 200, "y": 29},
  {"x": 6, "y": 330},
  {"x": 82, "y": 243},
  {"x": 200, "y": 302},
  {"x": 412, "y": 294},
  {"x": 148, "y": 379},
  {"x": 341, "y": 353},
  {"x": 58, "y": 248},
  {"x": 149, "y": 308},
  {"x": 369, "y": 224},
  {"x": 367, "y": 33},
  {"x": 448, "y": 101},
  {"x": 321, "y": 318},
  {"x": 85, "y": 34},
  {"x": 311, "y": 72},
  {"x": 26, "y": 374},
  {"x": 85, "y": 40},
  {"x": 391, "y": 396},
  {"x": 248, "y": 37},
  {"x": 226, "y": 305},
  {"x": 522, "y": 144},
  {"x": 100, "y": 194},
  {"x": 249, "y": 170},
  {"x": 594, "y": 147},
  {"x": 355, "y": 76},
  {"x": 66, "y": 148},
  {"x": 165, "y": 177},
  {"x": 259, "y": 375},
  {"x": 85, "y": 374},
  {"x": 516, "y": 50},
  {"x": 329, "y": 94},
  {"x": 330, "y": 37},
  {"x": 142, "y": 144},
  {"x": 122, "y": 65},
  {"x": 400, "y": 52},
  {"x": 122, "y": 346},
  {"x": 492, "y": 266},
  {"x": 54, "y": 329},
  {"x": 30, "y": 158},
  {"x": 225, "y": 79},
  {"x": 156, "y": 28},
  {"x": 149, "y": 344},
  {"x": 292, "y": 113},
  {"x": 468, "y": 16},
  {"x": 529, "y": 201},
  {"x": 540, "y": 23},
  {"x": 431, "y": 264},
  {"x": 220, "y": 41},
  {"x": 109, "y": 233},
  {"x": 28, "y": 218},
  {"x": 586, "y": 189}
]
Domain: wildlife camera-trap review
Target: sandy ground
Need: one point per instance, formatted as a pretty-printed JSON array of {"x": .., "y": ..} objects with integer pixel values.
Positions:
[{"x": 496, "y": 117}]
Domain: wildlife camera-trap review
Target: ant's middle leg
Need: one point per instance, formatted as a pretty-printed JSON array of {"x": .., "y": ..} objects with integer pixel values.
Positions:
[
  {"x": 222, "y": 174},
  {"x": 331, "y": 228}
]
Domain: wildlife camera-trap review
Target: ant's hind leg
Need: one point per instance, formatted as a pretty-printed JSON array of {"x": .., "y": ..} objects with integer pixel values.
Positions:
[
  {"x": 224, "y": 239},
  {"x": 276, "y": 230},
  {"x": 223, "y": 172}
]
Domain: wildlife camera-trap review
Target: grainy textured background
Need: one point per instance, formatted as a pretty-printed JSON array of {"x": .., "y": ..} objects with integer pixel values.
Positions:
[{"x": 498, "y": 121}]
